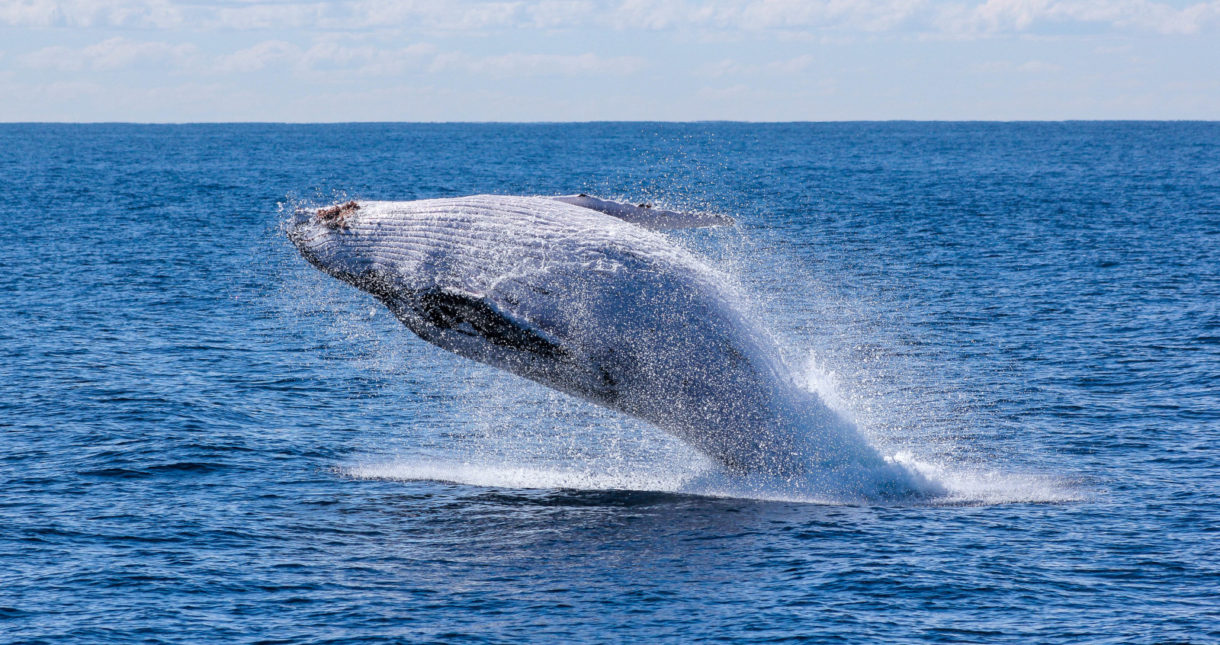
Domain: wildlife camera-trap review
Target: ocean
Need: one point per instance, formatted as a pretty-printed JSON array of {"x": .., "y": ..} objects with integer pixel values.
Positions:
[{"x": 204, "y": 439}]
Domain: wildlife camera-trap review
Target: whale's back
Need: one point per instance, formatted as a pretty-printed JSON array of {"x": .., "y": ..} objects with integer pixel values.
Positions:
[{"x": 475, "y": 242}]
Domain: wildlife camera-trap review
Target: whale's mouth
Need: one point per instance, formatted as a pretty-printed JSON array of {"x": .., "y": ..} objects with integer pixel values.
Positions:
[{"x": 321, "y": 235}]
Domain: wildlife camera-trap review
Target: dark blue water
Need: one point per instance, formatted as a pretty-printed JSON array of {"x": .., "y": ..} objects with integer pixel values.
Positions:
[{"x": 205, "y": 440}]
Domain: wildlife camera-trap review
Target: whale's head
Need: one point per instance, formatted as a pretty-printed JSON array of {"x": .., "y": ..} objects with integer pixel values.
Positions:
[{"x": 326, "y": 237}]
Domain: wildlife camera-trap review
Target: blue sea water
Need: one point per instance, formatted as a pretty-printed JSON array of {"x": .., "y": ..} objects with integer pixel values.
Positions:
[{"x": 206, "y": 440}]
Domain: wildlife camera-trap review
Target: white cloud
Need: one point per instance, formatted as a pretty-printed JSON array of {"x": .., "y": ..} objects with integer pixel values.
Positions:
[
  {"x": 730, "y": 93},
  {"x": 1038, "y": 67},
  {"x": 91, "y": 13},
  {"x": 322, "y": 57},
  {"x": 916, "y": 16},
  {"x": 784, "y": 67},
  {"x": 260, "y": 56},
  {"x": 109, "y": 55},
  {"x": 789, "y": 66},
  {"x": 877, "y": 15},
  {"x": 1154, "y": 16},
  {"x": 28, "y": 14},
  {"x": 71, "y": 90},
  {"x": 558, "y": 14},
  {"x": 721, "y": 68},
  {"x": 519, "y": 64},
  {"x": 365, "y": 59},
  {"x": 1028, "y": 67},
  {"x": 427, "y": 15},
  {"x": 268, "y": 16},
  {"x": 1012, "y": 16},
  {"x": 958, "y": 18},
  {"x": 327, "y": 56},
  {"x": 662, "y": 14}
]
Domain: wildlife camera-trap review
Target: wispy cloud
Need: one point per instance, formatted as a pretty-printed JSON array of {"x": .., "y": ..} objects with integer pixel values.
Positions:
[
  {"x": 324, "y": 56},
  {"x": 519, "y": 64},
  {"x": 403, "y": 59},
  {"x": 421, "y": 58},
  {"x": 730, "y": 93},
  {"x": 92, "y": 13},
  {"x": 784, "y": 67},
  {"x": 109, "y": 55},
  {"x": 256, "y": 16},
  {"x": 960, "y": 18},
  {"x": 1019, "y": 16},
  {"x": 1028, "y": 67},
  {"x": 367, "y": 60},
  {"x": 260, "y": 56}
]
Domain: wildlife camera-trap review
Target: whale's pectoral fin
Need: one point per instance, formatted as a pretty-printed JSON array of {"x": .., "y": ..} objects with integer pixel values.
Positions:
[
  {"x": 445, "y": 309},
  {"x": 645, "y": 215},
  {"x": 462, "y": 323}
]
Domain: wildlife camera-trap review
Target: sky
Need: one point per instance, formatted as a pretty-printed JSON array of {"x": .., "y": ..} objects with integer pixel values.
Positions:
[{"x": 591, "y": 60}]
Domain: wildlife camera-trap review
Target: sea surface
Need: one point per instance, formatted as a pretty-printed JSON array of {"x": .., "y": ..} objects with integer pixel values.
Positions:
[{"x": 203, "y": 439}]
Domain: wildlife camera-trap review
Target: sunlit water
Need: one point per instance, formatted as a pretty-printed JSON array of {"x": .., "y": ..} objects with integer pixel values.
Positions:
[{"x": 205, "y": 439}]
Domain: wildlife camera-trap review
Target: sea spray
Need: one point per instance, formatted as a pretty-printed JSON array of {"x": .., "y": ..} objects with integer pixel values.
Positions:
[{"x": 716, "y": 379}]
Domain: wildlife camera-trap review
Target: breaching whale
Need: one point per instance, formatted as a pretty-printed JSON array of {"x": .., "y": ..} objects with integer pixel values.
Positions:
[{"x": 586, "y": 296}]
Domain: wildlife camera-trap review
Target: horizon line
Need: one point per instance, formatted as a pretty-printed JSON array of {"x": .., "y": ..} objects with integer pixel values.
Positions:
[{"x": 615, "y": 121}]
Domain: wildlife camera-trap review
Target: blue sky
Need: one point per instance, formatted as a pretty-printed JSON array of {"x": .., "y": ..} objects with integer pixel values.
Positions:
[{"x": 578, "y": 60}]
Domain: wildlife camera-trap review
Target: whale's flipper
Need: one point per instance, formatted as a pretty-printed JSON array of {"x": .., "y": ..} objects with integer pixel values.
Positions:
[
  {"x": 645, "y": 215},
  {"x": 449, "y": 310},
  {"x": 456, "y": 321}
]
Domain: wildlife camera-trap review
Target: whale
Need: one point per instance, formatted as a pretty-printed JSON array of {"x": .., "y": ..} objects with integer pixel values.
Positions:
[{"x": 592, "y": 297}]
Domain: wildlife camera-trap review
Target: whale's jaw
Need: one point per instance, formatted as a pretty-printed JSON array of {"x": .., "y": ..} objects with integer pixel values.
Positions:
[{"x": 329, "y": 248}]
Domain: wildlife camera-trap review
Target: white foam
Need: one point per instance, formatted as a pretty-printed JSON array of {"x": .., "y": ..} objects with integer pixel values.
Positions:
[
  {"x": 517, "y": 476},
  {"x": 976, "y": 484},
  {"x": 963, "y": 486}
]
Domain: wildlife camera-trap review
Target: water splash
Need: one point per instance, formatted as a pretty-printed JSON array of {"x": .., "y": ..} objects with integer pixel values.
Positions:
[
  {"x": 960, "y": 487},
  {"x": 571, "y": 447}
]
